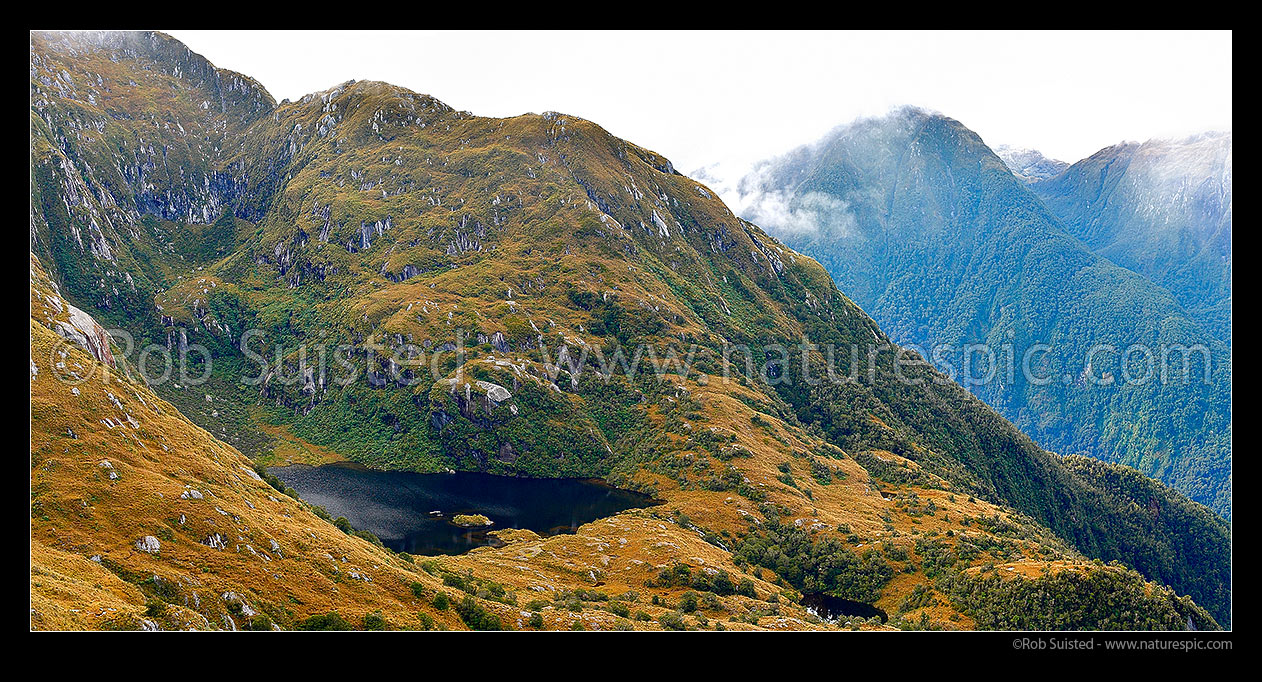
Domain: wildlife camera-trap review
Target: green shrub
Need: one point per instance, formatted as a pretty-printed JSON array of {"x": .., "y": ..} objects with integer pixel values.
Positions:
[
  {"x": 325, "y": 621},
  {"x": 672, "y": 620},
  {"x": 688, "y": 602},
  {"x": 441, "y": 601},
  {"x": 476, "y": 616}
]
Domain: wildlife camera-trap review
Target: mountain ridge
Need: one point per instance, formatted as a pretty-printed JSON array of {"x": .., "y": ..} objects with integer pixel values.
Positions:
[
  {"x": 1030, "y": 164},
  {"x": 1161, "y": 208}
]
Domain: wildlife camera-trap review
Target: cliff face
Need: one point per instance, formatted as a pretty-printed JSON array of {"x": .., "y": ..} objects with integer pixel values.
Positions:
[{"x": 132, "y": 133}]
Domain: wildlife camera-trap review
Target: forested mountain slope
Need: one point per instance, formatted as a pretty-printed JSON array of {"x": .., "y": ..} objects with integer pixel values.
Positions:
[
  {"x": 927, "y": 229},
  {"x": 1161, "y": 208}
]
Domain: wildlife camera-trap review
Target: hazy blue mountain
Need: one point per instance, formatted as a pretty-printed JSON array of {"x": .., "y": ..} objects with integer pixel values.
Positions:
[
  {"x": 928, "y": 230},
  {"x": 1161, "y": 208},
  {"x": 1029, "y": 164}
]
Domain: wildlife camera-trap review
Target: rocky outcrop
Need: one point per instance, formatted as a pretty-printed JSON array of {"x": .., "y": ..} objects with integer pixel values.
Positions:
[
  {"x": 70, "y": 323},
  {"x": 475, "y": 400},
  {"x": 84, "y": 332}
]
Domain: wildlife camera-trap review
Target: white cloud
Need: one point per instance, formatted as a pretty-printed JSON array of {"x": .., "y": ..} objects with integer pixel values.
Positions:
[
  {"x": 737, "y": 97},
  {"x": 812, "y": 213}
]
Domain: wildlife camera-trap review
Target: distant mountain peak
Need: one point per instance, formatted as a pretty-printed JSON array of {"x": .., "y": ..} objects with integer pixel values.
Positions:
[
  {"x": 1030, "y": 165},
  {"x": 1161, "y": 208}
]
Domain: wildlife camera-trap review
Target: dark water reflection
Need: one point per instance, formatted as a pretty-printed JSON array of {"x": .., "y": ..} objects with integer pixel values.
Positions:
[
  {"x": 397, "y": 506},
  {"x": 835, "y": 609}
]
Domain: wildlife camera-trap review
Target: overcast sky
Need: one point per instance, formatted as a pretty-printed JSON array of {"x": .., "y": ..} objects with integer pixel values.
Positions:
[{"x": 734, "y": 98}]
